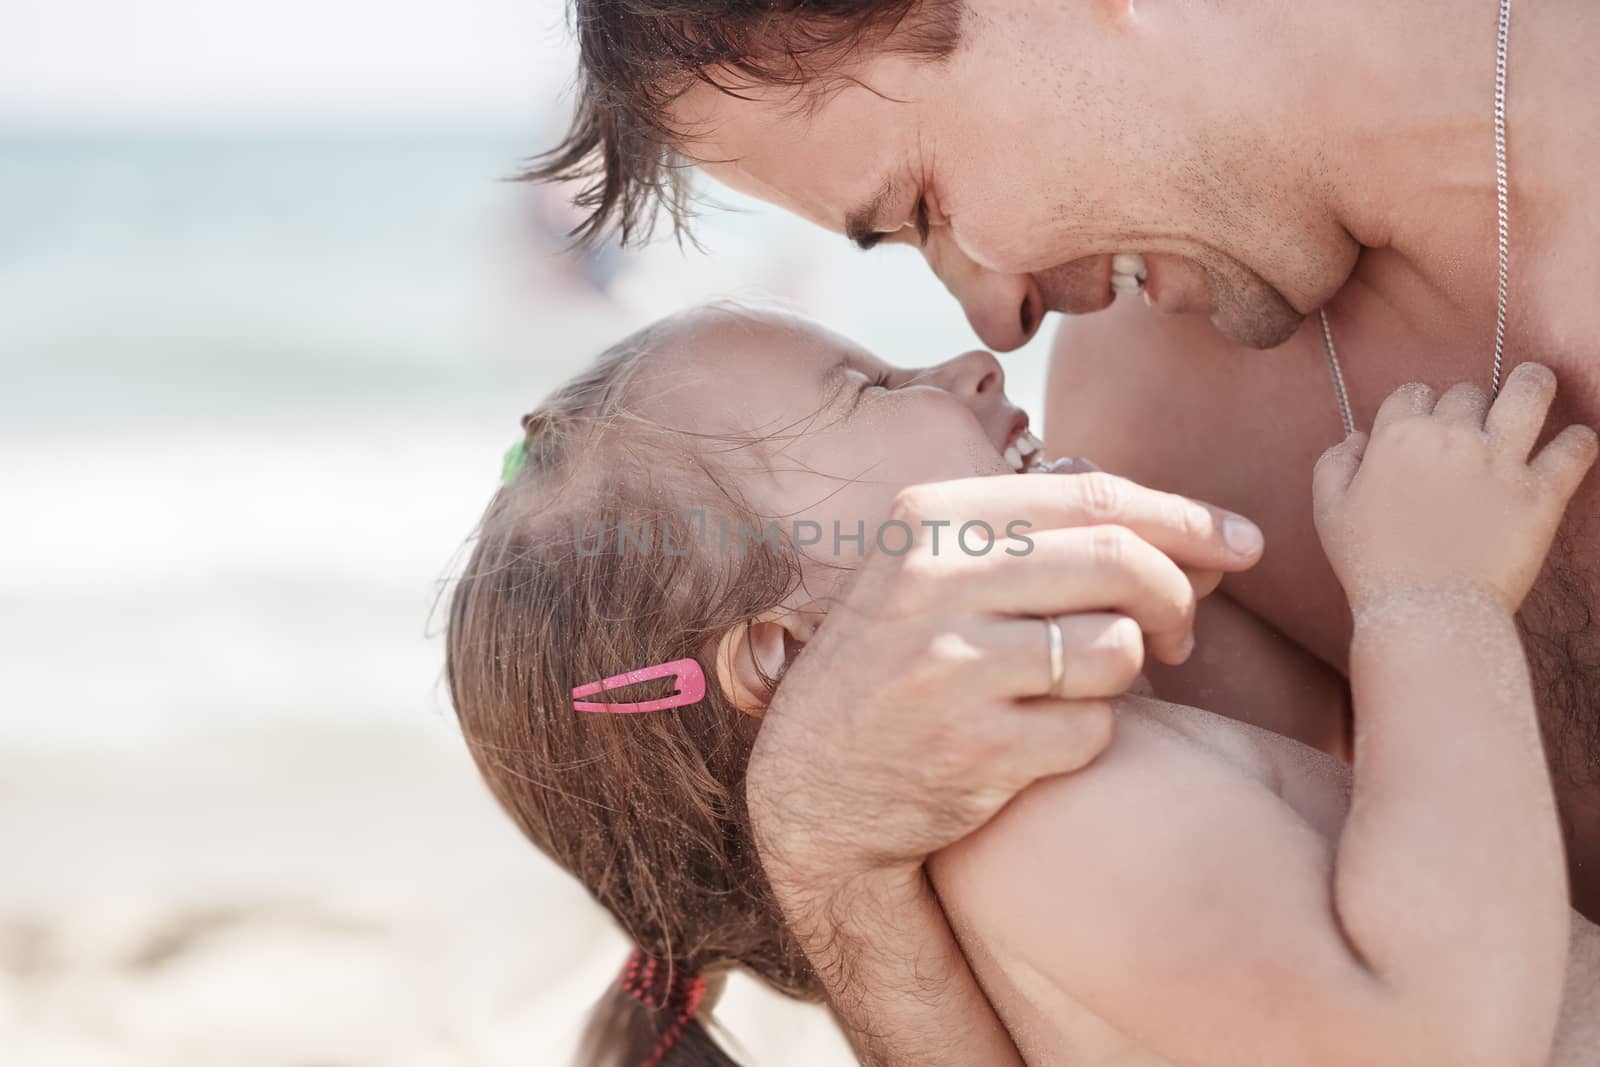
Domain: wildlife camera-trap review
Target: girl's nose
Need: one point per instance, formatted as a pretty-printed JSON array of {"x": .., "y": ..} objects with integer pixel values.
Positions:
[{"x": 975, "y": 377}]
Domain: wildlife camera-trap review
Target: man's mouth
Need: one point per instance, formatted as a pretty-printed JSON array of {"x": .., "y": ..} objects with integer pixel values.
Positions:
[
  {"x": 1093, "y": 283},
  {"x": 1172, "y": 285},
  {"x": 1128, "y": 273}
]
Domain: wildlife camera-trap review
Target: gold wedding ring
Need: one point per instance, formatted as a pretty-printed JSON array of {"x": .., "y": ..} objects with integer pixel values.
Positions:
[{"x": 1058, "y": 655}]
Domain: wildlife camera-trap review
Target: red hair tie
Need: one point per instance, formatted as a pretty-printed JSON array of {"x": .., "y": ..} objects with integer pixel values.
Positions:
[{"x": 660, "y": 987}]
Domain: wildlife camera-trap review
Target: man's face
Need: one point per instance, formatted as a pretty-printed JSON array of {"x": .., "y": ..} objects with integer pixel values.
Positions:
[{"x": 1021, "y": 165}]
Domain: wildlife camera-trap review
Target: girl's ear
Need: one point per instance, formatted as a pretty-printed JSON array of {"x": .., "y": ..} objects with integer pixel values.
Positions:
[{"x": 752, "y": 656}]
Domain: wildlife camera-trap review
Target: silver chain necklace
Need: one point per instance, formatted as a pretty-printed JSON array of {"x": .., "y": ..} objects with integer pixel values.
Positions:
[{"x": 1503, "y": 201}]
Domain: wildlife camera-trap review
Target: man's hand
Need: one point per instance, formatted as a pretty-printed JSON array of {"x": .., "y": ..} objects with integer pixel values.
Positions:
[{"x": 922, "y": 706}]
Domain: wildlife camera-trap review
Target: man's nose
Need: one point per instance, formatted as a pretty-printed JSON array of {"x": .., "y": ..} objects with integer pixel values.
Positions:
[{"x": 1004, "y": 309}]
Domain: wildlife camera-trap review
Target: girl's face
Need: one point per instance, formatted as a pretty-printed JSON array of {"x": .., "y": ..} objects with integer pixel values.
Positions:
[{"x": 817, "y": 430}]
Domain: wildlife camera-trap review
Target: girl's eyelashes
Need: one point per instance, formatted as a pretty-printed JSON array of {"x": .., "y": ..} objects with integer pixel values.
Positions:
[{"x": 871, "y": 380}]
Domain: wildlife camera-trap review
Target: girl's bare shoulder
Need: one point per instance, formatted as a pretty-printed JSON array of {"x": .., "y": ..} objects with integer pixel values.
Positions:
[{"x": 1285, "y": 765}]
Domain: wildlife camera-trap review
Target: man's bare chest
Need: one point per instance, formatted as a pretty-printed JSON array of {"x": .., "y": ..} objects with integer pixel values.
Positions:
[{"x": 1560, "y": 623}]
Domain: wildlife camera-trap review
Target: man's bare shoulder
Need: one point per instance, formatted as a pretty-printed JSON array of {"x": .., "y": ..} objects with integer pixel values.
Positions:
[
  {"x": 1132, "y": 346},
  {"x": 1152, "y": 395},
  {"x": 1128, "y": 318}
]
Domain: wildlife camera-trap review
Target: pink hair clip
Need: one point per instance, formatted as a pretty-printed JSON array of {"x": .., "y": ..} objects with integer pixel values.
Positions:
[{"x": 690, "y": 679}]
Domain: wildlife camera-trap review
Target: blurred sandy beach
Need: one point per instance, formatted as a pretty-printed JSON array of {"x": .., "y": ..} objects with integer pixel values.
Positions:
[
  {"x": 301, "y": 896},
  {"x": 255, "y": 382}
]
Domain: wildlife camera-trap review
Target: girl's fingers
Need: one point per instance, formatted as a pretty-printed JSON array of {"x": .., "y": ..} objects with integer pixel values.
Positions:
[
  {"x": 1464, "y": 403},
  {"x": 1565, "y": 461},
  {"x": 1336, "y": 469},
  {"x": 1517, "y": 417},
  {"x": 1406, "y": 402}
]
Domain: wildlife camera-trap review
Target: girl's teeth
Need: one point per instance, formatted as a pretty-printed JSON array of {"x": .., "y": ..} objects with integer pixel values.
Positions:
[{"x": 1025, "y": 453}]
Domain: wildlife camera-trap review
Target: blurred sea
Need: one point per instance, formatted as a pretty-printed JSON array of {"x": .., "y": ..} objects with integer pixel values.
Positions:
[{"x": 254, "y": 389}]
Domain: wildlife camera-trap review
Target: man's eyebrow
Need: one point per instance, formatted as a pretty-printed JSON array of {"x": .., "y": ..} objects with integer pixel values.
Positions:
[{"x": 862, "y": 225}]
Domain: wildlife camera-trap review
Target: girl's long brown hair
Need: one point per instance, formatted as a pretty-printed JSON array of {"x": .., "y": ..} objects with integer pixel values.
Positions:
[{"x": 647, "y": 811}]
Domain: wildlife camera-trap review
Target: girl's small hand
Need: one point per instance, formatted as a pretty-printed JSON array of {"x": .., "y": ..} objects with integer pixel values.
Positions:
[{"x": 1444, "y": 492}]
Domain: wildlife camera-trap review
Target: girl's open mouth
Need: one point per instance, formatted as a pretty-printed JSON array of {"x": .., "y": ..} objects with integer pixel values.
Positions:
[{"x": 1025, "y": 453}]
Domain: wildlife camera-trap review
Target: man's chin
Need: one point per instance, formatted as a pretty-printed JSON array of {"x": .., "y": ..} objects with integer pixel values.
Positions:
[
  {"x": 1259, "y": 333},
  {"x": 1261, "y": 319}
]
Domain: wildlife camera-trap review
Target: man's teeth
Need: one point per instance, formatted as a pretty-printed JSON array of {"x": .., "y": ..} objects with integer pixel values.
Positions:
[{"x": 1127, "y": 272}]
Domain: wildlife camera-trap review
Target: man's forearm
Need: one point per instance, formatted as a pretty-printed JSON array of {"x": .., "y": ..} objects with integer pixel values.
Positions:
[{"x": 895, "y": 976}]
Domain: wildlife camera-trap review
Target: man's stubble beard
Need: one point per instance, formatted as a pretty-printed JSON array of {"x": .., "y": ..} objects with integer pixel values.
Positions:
[{"x": 1248, "y": 311}]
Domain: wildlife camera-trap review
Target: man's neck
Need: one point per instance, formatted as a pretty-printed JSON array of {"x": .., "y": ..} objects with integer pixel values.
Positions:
[
  {"x": 1366, "y": 125},
  {"x": 1408, "y": 138}
]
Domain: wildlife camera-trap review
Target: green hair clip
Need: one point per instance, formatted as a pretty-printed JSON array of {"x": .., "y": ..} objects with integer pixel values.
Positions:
[{"x": 516, "y": 458}]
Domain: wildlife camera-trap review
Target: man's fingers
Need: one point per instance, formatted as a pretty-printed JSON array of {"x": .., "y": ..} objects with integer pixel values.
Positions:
[
  {"x": 1464, "y": 403},
  {"x": 1204, "y": 582},
  {"x": 1564, "y": 461},
  {"x": 1101, "y": 654},
  {"x": 1194, "y": 534},
  {"x": 1094, "y": 568},
  {"x": 1517, "y": 417},
  {"x": 1405, "y": 402},
  {"x": 1049, "y": 737}
]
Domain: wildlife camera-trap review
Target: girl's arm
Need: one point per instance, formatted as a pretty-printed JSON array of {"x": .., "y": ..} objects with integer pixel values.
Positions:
[
  {"x": 1174, "y": 893},
  {"x": 1451, "y": 880}
]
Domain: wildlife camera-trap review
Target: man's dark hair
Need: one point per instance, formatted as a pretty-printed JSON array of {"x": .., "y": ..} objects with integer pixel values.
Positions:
[{"x": 638, "y": 56}]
